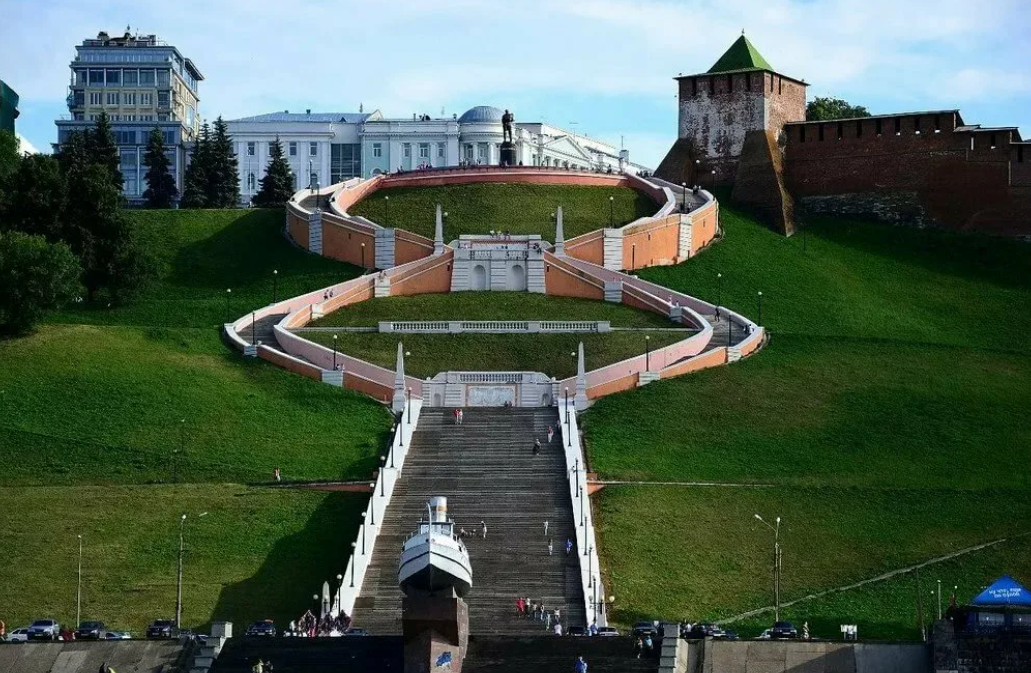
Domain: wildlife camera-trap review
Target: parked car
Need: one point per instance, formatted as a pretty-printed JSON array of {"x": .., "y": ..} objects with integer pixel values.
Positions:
[
  {"x": 44, "y": 629},
  {"x": 90, "y": 631},
  {"x": 576, "y": 631},
  {"x": 356, "y": 632},
  {"x": 783, "y": 631},
  {"x": 714, "y": 631},
  {"x": 730, "y": 635},
  {"x": 765, "y": 635},
  {"x": 608, "y": 631},
  {"x": 117, "y": 635},
  {"x": 264, "y": 628},
  {"x": 18, "y": 635},
  {"x": 162, "y": 628},
  {"x": 645, "y": 628}
]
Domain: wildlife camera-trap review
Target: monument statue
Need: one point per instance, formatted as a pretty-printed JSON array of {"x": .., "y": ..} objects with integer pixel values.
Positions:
[{"x": 506, "y": 126}]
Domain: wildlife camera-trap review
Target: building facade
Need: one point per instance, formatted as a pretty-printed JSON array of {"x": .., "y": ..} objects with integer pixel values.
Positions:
[
  {"x": 141, "y": 83},
  {"x": 8, "y": 107},
  {"x": 326, "y": 148}
]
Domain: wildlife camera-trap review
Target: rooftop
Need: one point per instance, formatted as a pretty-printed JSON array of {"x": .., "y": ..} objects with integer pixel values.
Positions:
[
  {"x": 481, "y": 113},
  {"x": 959, "y": 120},
  {"x": 741, "y": 56},
  {"x": 324, "y": 117}
]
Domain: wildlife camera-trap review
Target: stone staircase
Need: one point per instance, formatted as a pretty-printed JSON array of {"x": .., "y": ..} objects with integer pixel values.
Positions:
[
  {"x": 312, "y": 655},
  {"x": 498, "y": 654},
  {"x": 263, "y": 331},
  {"x": 487, "y": 470}
]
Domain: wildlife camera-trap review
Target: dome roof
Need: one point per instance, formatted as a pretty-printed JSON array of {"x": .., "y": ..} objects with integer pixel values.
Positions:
[{"x": 482, "y": 113}]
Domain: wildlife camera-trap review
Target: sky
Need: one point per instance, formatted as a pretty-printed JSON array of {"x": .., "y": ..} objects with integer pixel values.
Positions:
[{"x": 599, "y": 67}]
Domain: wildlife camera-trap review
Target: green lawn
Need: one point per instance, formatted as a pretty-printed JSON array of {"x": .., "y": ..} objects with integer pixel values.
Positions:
[
  {"x": 890, "y": 404},
  {"x": 517, "y": 208},
  {"x": 102, "y": 409},
  {"x": 550, "y": 353},
  {"x": 257, "y": 553},
  {"x": 489, "y": 306}
]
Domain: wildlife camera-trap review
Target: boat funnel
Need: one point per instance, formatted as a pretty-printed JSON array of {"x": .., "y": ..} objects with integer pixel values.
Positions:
[{"x": 438, "y": 509}]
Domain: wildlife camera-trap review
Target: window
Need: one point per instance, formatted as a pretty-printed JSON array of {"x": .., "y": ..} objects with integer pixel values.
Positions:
[
  {"x": 250, "y": 149},
  {"x": 162, "y": 99},
  {"x": 93, "y": 118},
  {"x": 345, "y": 161},
  {"x": 96, "y": 98},
  {"x": 146, "y": 118},
  {"x": 130, "y": 171},
  {"x": 125, "y": 137},
  {"x": 406, "y": 150},
  {"x": 313, "y": 149},
  {"x": 162, "y": 77},
  {"x": 481, "y": 152},
  {"x": 293, "y": 148},
  {"x": 163, "y": 118},
  {"x": 169, "y": 137},
  {"x": 128, "y": 99},
  {"x": 270, "y": 146},
  {"x": 313, "y": 181},
  {"x": 114, "y": 77},
  {"x": 130, "y": 77},
  {"x": 81, "y": 77},
  {"x": 440, "y": 150},
  {"x": 146, "y": 99},
  {"x": 377, "y": 150},
  {"x": 112, "y": 98},
  {"x": 250, "y": 182},
  {"x": 78, "y": 117},
  {"x": 130, "y": 118},
  {"x": 96, "y": 77},
  {"x": 147, "y": 78},
  {"x": 424, "y": 150}
]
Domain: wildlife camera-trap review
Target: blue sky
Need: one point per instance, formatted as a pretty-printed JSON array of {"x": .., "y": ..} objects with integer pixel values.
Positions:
[{"x": 598, "y": 67}]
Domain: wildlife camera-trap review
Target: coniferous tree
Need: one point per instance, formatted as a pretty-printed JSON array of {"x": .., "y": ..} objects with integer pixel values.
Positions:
[
  {"x": 195, "y": 179},
  {"x": 161, "y": 190},
  {"x": 74, "y": 153},
  {"x": 278, "y": 184},
  {"x": 33, "y": 199},
  {"x": 223, "y": 179},
  {"x": 103, "y": 150}
]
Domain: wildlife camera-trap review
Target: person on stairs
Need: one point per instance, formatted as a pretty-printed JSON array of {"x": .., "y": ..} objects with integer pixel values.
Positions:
[
  {"x": 484, "y": 526},
  {"x": 580, "y": 666},
  {"x": 536, "y": 447},
  {"x": 550, "y": 548}
]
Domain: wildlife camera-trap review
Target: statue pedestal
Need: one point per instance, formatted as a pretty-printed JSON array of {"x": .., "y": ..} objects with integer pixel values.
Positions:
[
  {"x": 436, "y": 633},
  {"x": 508, "y": 154}
]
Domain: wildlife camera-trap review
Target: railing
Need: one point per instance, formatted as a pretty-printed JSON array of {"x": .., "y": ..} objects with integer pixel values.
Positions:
[
  {"x": 490, "y": 377},
  {"x": 495, "y": 326}
]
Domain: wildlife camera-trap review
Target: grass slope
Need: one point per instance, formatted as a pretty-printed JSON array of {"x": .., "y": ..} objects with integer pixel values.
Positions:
[
  {"x": 489, "y": 306},
  {"x": 102, "y": 404},
  {"x": 890, "y": 402},
  {"x": 552, "y": 354},
  {"x": 518, "y": 208}
]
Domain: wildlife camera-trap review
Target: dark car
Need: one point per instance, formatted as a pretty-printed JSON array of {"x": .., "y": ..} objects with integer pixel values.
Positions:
[
  {"x": 576, "y": 631},
  {"x": 783, "y": 631},
  {"x": 642, "y": 629},
  {"x": 608, "y": 631},
  {"x": 162, "y": 628},
  {"x": 265, "y": 628},
  {"x": 356, "y": 632},
  {"x": 90, "y": 631}
]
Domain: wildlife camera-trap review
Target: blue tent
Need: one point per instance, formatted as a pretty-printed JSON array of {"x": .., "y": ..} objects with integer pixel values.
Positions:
[{"x": 1004, "y": 591}]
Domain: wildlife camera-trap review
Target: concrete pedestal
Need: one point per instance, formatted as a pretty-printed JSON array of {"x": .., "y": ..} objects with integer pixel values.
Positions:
[
  {"x": 507, "y": 155},
  {"x": 435, "y": 629}
]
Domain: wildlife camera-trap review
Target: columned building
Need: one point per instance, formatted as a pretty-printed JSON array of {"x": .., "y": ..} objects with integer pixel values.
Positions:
[
  {"x": 326, "y": 148},
  {"x": 141, "y": 82}
]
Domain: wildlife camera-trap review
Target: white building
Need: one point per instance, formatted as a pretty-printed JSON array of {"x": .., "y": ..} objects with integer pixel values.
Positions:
[{"x": 325, "y": 148}]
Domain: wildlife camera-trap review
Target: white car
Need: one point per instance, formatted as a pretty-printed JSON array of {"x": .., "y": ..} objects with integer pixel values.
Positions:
[
  {"x": 44, "y": 629},
  {"x": 18, "y": 635},
  {"x": 117, "y": 635}
]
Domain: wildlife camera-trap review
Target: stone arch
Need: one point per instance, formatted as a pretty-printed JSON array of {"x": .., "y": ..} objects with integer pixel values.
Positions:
[
  {"x": 517, "y": 277},
  {"x": 479, "y": 279}
]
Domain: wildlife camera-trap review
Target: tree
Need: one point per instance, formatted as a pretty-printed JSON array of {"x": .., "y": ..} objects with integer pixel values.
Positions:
[
  {"x": 826, "y": 109},
  {"x": 103, "y": 150},
  {"x": 10, "y": 159},
  {"x": 74, "y": 153},
  {"x": 195, "y": 179},
  {"x": 35, "y": 276},
  {"x": 223, "y": 179},
  {"x": 278, "y": 184},
  {"x": 35, "y": 198},
  {"x": 92, "y": 218},
  {"x": 161, "y": 190}
]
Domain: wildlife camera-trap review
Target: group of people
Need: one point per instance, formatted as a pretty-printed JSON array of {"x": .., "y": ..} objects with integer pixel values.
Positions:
[
  {"x": 459, "y": 416},
  {"x": 551, "y": 619},
  {"x": 537, "y": 441},
  {"x": 310, "y": 626},
  {"x": 262, "y": 666}
]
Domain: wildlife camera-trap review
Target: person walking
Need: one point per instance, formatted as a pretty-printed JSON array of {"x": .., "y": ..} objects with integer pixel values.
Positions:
[
  {"x": 580, "y": 666},
  {"x": 550, "y": 548},
  {"x": 569, "y": 546},
  {"x": 277, "y": 475},
  {"x": 484, "y": 526},
  {"x": 545, "y": 527},
  {"x": 455, "y": 414},
  {"x": 536, "y": 447},
  {"x": 547, "y": 619},
  {"x": 520, "y": 607},
  {"x": 558, "y": 627},
  {"x": 551, "y": 433},
  {"x": 461, "y": 416}
]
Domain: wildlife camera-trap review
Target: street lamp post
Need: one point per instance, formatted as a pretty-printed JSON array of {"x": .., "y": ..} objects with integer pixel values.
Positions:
[
  {"x": 354, "y": 561},
  {"x": 590, "y": 567},
  {"x": 647, "y": 353},
  {"x": 382, "y": 483},
  {"x": 391, "y": 453},
  {"x": 364, "y": 514},
  {"x": 363, "y": 255},
  {"x": 229, "y": 296},
  {"x": 409, "y": 405},
  {"x": 275, "y": 285},
  {"x": 719, "y": 289},
  {"x": 78, "y": 589},
  {"x": 760, "y": 296},
  {"x": 714, "y": 183},
  {"x": 939, "y": 599},
  {"x": 567, "y": 411},
  {"x": 633, "y": 256},
  {"x": 254, "y": 328},
  {"x": 334, "y": 352},
  {"x": 683, "y": 205},
  {"x": 611, "y": 200},
  {"x": 697, "y": 171},
  {"x": 386, "y": 199},
  {"x": 776, "y": 565},
  {"x": 576, "y": 476},
  {"x": 315, "y": 599}
]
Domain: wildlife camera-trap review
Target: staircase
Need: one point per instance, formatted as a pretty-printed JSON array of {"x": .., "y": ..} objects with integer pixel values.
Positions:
[
  {"x": 553, "y": 653},
  {"x": 487, "y": 471},
  {"x": 263, "y": 330}
]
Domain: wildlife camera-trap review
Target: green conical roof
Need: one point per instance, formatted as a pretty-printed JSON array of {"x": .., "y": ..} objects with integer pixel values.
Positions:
[{"x": 742, "y": 55}]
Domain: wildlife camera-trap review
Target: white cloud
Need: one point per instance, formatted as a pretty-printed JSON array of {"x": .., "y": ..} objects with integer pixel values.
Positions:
[{"x": 25, "y": 147}]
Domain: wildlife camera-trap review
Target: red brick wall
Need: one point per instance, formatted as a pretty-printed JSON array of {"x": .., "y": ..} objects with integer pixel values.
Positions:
[
  {"x": 589, "y": 247},
  {"x": 561, "y": 279},
  {"x": 409, "y": 247},
  {"x": 345, "y": 244},
  {"x": 652, "y": 245},
  {"x": 433, "y": 276},
  {"x": 298, "y": 228}
]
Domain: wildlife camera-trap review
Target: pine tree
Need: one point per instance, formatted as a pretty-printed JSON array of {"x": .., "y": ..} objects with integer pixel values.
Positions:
[
  {"x": 223, "y": 179},
  {"x": 161, "y": 190},
  {"x": 278, "y": 184},
  {"x": 195, "y": 179},
  {"x": 103, "y": 150}
]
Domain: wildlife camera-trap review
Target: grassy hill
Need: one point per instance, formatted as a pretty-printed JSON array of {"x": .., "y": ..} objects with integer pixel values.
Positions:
[
  {"x": 113, "y": 421},
  {"x": 518, "y": 208},
  {"x": 885, "y": 422}
]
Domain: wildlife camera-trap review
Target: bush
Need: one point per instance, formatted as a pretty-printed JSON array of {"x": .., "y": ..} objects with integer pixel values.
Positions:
[{"x": 34, "y": 276}]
